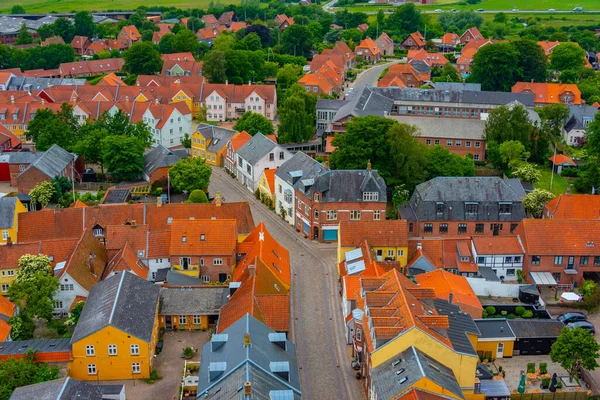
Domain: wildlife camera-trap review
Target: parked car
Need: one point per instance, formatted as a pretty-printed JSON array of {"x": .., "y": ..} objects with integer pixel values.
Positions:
[
  {"x": 551, "y": 10},
  {"x": 578, "y": 9},
  {"x": 480, "y": 10},
  {"x": 515, "y": 10},
  {"x": 454, "y": 10},
  {"x": 588, "y": 326},
  {"x": 570, "y": 317},
  {"x": 438, "y": 10}
]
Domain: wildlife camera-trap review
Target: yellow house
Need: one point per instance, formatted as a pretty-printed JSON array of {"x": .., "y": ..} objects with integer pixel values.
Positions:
[
  {"x": 191, "y": 309},
  {"x": 497, "y": 339},
  {"x": 182, "y": 96},
  {"x": 387, "y": 238},
  {"x": 10, "y": 208},
  {"x": 117, "y": 332},
  {"x": 266, "y": 187},
  {"x": 209, "y": 143}
]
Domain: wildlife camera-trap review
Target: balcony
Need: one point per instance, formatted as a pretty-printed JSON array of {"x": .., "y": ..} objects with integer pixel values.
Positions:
[{"x": 573, "y": 270}]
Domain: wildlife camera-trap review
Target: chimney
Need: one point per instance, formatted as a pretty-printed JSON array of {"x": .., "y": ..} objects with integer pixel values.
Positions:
[
  {"x": 450, "y": 297},
  {"x": 126, "y": 99},
  {"x": 247, "y": 342},
  {"x": 218, "y": 199},
  {"x": 12, "y": 99},
  {"x": 532, "y": 81},
  {"x": 43, "y": 101},
  {"x": 369, "y": 165},
  {"x": 216, "y": 369},
  {"x": 156, "y": 101},
  {"x": 92, "y": 256},
  {"x": 419, "y": 246},
  {"x": 247, "y": 389},
  {"x": 249, "y": 82},
  {"x": 137, "y": 83},
  {"x": 226, "y": 82},
  {"x": 159, "y": 202},
  {"x": 568, "y": 191}
]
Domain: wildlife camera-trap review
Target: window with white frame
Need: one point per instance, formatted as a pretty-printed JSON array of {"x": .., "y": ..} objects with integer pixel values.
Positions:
[
  {"x": 218, "y": 261},
  {"x": 331, "y": 215},
  {"x": 91, "y": 369},
  {"x": 5, "y": 287},
  {"x": 182, "y": 320},
  {"x": 135, "y": 368},
  {"x": 400, "y": 253},
  {"x": 112, "y": 349},
  {"x": 376, "y": 215},
  {"x": 134, "y": 349},
  {"x": 197, "y": 319},
  {"x": 205, "y": 278},
  {"x": 5, "y": 235},
  {"x": 371, "y": 196},
  {"x": 58, "y": 304},
  {"x": 66, "y": 287},
  {"x": 10, "y": 272},
  {"x": 89, "y": 350},
  {"x": 354, "y": 215}
]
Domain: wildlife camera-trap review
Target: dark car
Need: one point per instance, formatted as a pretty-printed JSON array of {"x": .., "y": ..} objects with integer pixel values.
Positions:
[
  {"x": 588, "y": 326},
  {"x": 569, "y": 317}
]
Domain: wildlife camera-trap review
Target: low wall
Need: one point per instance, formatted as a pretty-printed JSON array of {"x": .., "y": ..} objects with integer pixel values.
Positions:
[{"x": 484, "y": 288}]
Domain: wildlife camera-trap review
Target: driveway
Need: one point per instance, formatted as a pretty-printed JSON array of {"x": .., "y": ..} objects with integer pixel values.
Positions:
[
  {"x": 169, "y": 365},
  {"x": 317, "y": 322}
]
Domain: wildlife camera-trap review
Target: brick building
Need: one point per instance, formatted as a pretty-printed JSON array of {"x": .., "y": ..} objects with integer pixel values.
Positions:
[
  {"x": 56, "y": 161},
  {"x": 464, "y": 206},
  {"x": 339, "y": 195}
]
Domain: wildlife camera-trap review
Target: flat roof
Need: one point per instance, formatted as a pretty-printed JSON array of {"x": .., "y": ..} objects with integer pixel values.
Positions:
[
  {"x": 494, "y": 328},
  {"x": 41, "y": 345}
]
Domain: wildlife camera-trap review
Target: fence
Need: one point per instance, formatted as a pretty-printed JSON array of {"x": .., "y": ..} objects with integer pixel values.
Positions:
[{"x": 550, "y": 396}]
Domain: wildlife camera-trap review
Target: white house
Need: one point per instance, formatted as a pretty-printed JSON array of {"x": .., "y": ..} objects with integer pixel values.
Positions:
[
  {"x": 226, "y": 101},
  {"x": 575, "y": 128},
  {"x": 157, "y": 252},
  {"x": 258, "y": 154},
  {"x": 299, "y": 166},
  {"x": 503, "y": 254},
  {"x": 168, "y": 122}
]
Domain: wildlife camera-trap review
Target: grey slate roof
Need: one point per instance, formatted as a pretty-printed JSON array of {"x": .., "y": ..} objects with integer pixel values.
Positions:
[
  {"x": 61, "y": 389},
  {"x": 160, "y": 157},
  {"x": 206, "y": 300},
  {"x": 344, "y": 185},
  {"x": 534, "y": 118},
  {"x": 535, "y": 328},
  {"x": 256, "y": 148},
  {"x": 219, "y": 136},
  {"x": 124, "y": 301},
  {"x": 471, "y": 87},
  {"x": 247, "y": 364},
  {"x": 466, "y": 129},
  {"x": 494, "y": 328},
  {"x": 473, "y": 189},
  {"x": 52, "y": 162},
  {"x": 326, "y": 104},
  {"x": 516, "y": 185},
  {"x": 494, "y": 389},
  {"x": 23, "y": 157},
  {"x": 420, "y": 265},
  {"x": 488, "y": 274},
  {"x": 461, "y": 323},
  {"x": 8, "y": 205},
  {"x": 576, "y": 115},
  {"x": 365, "y": 102},
  {"x": 299, "y": 162},
  {"x": 41, "y": 345},
  {"x": 175, "y": 278},
  {"x": 31, "y": 84},
  {"x": 413, "y": 366}
]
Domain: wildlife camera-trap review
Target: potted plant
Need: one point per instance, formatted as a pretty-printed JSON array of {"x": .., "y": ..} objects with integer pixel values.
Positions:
[
  {"x": 545, "y": 383},
  {"x": 188, "y": 353}
]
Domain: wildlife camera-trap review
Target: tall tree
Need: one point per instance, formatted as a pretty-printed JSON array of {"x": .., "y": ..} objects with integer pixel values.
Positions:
[
  {"x": 287, "y": 76},
  {"x": 593, "y": 135},
  {"x": 87, "y": 145},
  {"x": 406, "y": 19},
  {"x": 532, "y": 61},
  {"x": 253, "y": 123},
  {"x": 64, "y": 28},
  {"x": 214, "y": 66},
  {"x": 534, "y": 201},
  {"x": 459, "y": 21},
  {"x": 42, "y": 193},
  {"x": 297, "y": 116},
  {"x": 166, "y": 43},
  {"x": 123, "y": 157},
  {"x": 567, "y": 56},
  {"x": 185, "y": 40},
  {"x": 297, "y": 40},
  {"x": 495, "y": 66},
  {"x": 554, "y": 116},
  {"x": 34, "y": 286},
  {"x": 504, "y": 124},
  {"x": 574, "y": 349},
  {"x": 190, "y": 174},
  {"x": 262, "y": 31},
  {"x": 17, "y": 9},
  {"x": 22, "y": 372},
  {"x": 24, "y": 36},
  {"x": 440, "y": 162},
  {"x": 47, "y": 128},
  {"x": 448, "y": 74},
  {"x": 142, "y": 59},
  {"x": 84, "y": 24},
  {"x": 407, "y": 158}
]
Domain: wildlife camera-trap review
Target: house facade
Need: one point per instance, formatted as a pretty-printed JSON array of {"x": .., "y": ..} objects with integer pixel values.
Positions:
[
  {"x": 550, "y": 93},
  {"x": 10, "y": 208},
  {"x": 54, "y": 162},
  {"x": 258, "y": 154},
  {"x": 575, "y": 127},
  {"x": 233, "y": 145},
  {"x": 168, "y": 122},
  {"x": 503, "y": 254},
  {"x": 227, "y": 101},
  {"x": 210, "y": 142}
]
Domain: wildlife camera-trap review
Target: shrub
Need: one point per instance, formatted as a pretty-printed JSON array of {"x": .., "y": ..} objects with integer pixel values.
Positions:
[
  {"x": 570, "y": 172},
  {"x": 559, "y": 385},
  {"x": 530, "y": 368},
  {"x": 504, "y": 313},
  {"x": 588, "y": 288},
  {"x": 545, "y": 382},
  {"x": 520, "y": 311},
  {"x": 490, "y": 310},
  {"x": 544, "y": 368},
  {"x": 528, "y": 314},
  {"x": 188, "y": 352},
  {"x": 154, "y": 376}
]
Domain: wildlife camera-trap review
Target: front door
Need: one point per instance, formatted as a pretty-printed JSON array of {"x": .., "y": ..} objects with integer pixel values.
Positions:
[
  {"x": 168, "y": 324},
  {"x": 184, "y": 263},
  {"x": 222, "y": 277},
  {"x": 571, "y": 262},
  {"x": 316, "y": 229},
  {"x": 500, "y": 350}
]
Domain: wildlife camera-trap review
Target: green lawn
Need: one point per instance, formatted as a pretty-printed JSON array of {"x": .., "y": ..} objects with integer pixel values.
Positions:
[
  {"x": 559, "y": 184},
  {"x": 44, "y": 6}
]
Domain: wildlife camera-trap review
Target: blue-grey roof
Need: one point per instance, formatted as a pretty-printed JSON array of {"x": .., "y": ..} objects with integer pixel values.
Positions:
[
  {"x": 344, "y": 185},
  {"x": 53, "y": 162},
  {"x": 471, "y": 87},
  {"x": 220, "y": 136},
  {"x": 494, "y": 388},
  {"x": 205, "y": 300},
  {"x": 475, "y": 189},
  {"x": 262, "y": 363},
  {"x": 300, "y": 165},
  {"x": 535, "y": 328},
  {"x": 31, "y": 84},
  {"x": 8, "y": 206},
  {"x": 256, "y": 148},
  {"x": 516, "y": 185},
  {"x": 124, "y": 301},
  {"x": 464, "y": 129},
  {"x": 40, "y": 345},
  {"x": 461, "y": 323},
  {"x": 65, "y": 389},
  {"x": 175, "y": 278},
  {"x": 160, "y": 157},
  {"x": 420, "y": 266},
  {"x": 366, "y": 102},
  {"x": 488, "y": 274},
  {"x": 400, "y": 372},
  {"x": 23, "y": 157},
  {"x": 494, "y": 328},
  {"x": 327, "y": 104}
]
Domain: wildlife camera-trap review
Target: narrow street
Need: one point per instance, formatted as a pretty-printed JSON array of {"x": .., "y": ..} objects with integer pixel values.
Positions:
[{"x": 317, "y": 324}]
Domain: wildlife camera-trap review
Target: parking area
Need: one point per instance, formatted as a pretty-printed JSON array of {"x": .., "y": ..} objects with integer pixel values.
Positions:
[{"x": 169, "y": 365}]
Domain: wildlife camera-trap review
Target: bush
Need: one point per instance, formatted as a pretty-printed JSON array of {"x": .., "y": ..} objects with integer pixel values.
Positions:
[
  {"x": 588, "y": 288},
  {"x": 570, "y": 172},
  {"x": 197, "y": 196},
  {"x": 490, "y": 310},
  {"x": 530, "y": 368},
  {"x": 559, "y": 385},
  {"x": 545, "y": 382},
  {"x": 188, "y": 352},
  {"x": 520, "y": 311},
  {"x": 154, "y": 376},
  {"x": 58, "y": 326},
  {"x": 544, "y": 368},
  {"x": 528, "y": 314},
  {"x": 504, "y": 313}
]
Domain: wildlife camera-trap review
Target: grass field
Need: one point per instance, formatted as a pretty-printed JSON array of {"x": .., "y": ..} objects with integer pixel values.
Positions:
[
  {"x": 45, "y": 6},
  {"x": 559, "y": 184}
]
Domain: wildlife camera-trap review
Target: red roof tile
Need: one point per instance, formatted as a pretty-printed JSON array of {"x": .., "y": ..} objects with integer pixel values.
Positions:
[
  {"x": 497, "y": 245},
  {"x": 203, "y": 237},
  {"x": 559, "y": 236},
  {"x": 573, "y": 206},
  {"x": 561, "y": 159},
  {"x": 87, "y": 261},
  {"x": 445, "y": 283},
  {"x": 384, "y": 233}
]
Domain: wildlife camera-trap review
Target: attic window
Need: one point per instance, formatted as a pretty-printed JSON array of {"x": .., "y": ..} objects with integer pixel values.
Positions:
[
  {"x": 401, "y": 381},
  {"x": 169, "y": 220},
  {"x": 183, "y": 239},
  {"x": 140, "y": 253},
  {"x": 202, "y": 237}
]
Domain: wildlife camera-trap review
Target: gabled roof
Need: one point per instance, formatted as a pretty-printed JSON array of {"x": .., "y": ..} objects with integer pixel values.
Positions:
[
  {"x": 60, "y": 389},
  {"x": 548, "y": 92},
  {"x": 577, "y": 237},
  {"x": 203, "y": 237},
  {"x": 256, "y": 148},
  {"x": 467, "y": 189},
  {"x": 561, "y": 159},
  {"x": 370, "y": 44},
  {"x": 160, "y": 157},
  {"x": 417, "y": 38},
  {"x": 384, "y": 233},
  {"x": 474, "y": 32},
  {"x": 123, "y": 301},
  {"x": 86, "y": 262},
  {"x": 8, "y": 207},
  {"x": 261, "y": 364},
  {"x": 219, "y": 136},
  {"x": 450, "y": 38},
  {"x": 535, "y": 328},
  {"x": 497, "y": 245},
  {"x": 299, "y": 162},
  {"x": 239, "y": 140},
  {"x": 270, "y": 177},
  {"x": 205, "y": 300},
  {"x": 573, "y": 206},
  {"x": 447, "y": 285},
  {"x": 126, "y": 260},
  {"x": 344, "y": 185},
  {"x": 53, "y": 162}
]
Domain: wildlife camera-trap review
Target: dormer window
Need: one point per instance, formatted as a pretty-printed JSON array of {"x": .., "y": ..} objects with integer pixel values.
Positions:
[
  {"x": 370, "y": 196},
  {"x": 439, "y": 207},
  {"x": 202, "y": 237},
  {"x": 505, "y": 208},
  {"x": 316, "y": 197},
  {"x": 183, "y": 239}
]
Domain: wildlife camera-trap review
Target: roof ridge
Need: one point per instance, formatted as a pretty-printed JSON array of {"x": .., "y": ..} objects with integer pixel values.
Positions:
[{"x": 112, "y": 312}]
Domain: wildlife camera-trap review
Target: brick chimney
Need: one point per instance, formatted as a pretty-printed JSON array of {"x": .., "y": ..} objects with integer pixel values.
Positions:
[{"x": 247, "y": 389}]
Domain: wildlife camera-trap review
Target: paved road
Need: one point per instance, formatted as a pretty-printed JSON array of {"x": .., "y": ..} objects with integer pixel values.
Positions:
[
  {"x": 370, "y": 76},
  {"x": 330, "y": 8},
  {"x": 317, "y": 328}
]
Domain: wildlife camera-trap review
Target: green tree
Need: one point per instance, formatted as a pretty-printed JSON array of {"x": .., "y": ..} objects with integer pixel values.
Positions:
[
  {"x": 249, "y": 42},
  {"x": 589, "y": 179},
  {"x": 574, "y": 349},
  {"x": 147, "y": 35},
  {"x": 214, "y": 66},
  {"x": 297, "y": 40},
  {"x": 24, "y": 36},
  {"x": 64, "y": 28},
  {"x": 495, "y": 66},
  {"x": 62, "y": 185},
  {"x": 87, "y": 145},
  {"x": 460, "y": 20},
  {"x": 185, "y": 40},
  {"x": 440, "y": 162},
  {"x": 190, "y": 174},
  {"x": 407, "y": 159},
  {"x": 225, "y": 41},
  {"x": 123, "y": 157},
  {"x": 532, "y": 61},
  {"x": 197, "y": 196},
  {"x": 500, "y": 18},
  {"x": 34, "y": 287},
  {"x": 25, "y": 371},
  {"x": 118, "y": 124},
  {"x": 512, "y": 152},
  {"x": 142, "y": 59},
  {"x": 297, "y": 116},
  {"x": 17, "y": 9},
  {"x": 42, "y": 193},
  {"x": 567, "y": 56},
  {"x": 84, "y": 24},
  {"x": 287, "y": 76},
  {"x": 406, "y": 19},
  {"x": 75, "y": 313},
  {"x": 47, "y": 128},
  {"x": 45, "y": 31},
  {"x": 448, "y": 74},
  {"x": 22, "y": 328},
  {"x": 534, "y": 201},
  {"x": 194, "y": 24},
  {"x": 186, "y": 142},
  {"x": 253, "y": 123},
  {"x": 527, "y": 173},
  {"x": 593, "y": 135},
  {"x": 504, "y": 124}
]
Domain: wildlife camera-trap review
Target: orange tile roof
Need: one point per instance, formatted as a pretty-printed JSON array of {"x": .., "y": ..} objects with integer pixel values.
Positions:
[
  {"x": 560, "y": 159},
  {"x": 573, "y": 206},
  {"x": 548, "y": 93},
  {"x": 548, "y": 46},
  {"x": 118, "y": 235},
  {"x": 329, "y": 148},
  {"x": 420, "y": 394},
  {"x": 7, "y": 307},
  {"x": 203, "y": 237},
  {"x": 159, "y": 244},
  {"x": 450, "y": 38},
  {"x": 272, "y": 137},
  {"x": 351, "y": 286},
  {"x": 368, "y": 43},
  {"x": 466, "y": 56},
  {"x": 5, "y": 329},
  {"x": 475, "y": 34},
  {"x": 126, "y": 260},
  {"x": 446, "y": 283},
  {"x": 497, "y": 245},
  {"x": 382, "y": 233},
  {"x": 78, "y": 204},
  {"x": 433, "y": 249},
  {"x": 270, "y": 176},
  {"x": 111, "y": 80},
  {"x": 10, "y": 253},
  {"x": 428, "y": 58},
  {"x": 88, "y": 252},
  {"x": 417, "y": 38},
  {"x": 275, "y": 310},
  {"x": 559, "y": 236}
]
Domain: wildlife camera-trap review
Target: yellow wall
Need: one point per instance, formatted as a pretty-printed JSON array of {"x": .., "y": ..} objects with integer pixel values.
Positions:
[
  {"x": 430, "y": 386},
  {"x": 199, "y": 145},
  {"x": 463, "y": 365},
  {"x": 191, "y": 271},
  {"x": 13, "y": 231},
  {"x": 491, "y": 347},
  {"x": 5, "y": 278},
  {"x": 181, "y": 96},
  {"x": 264, "y": 188},
  {"x": 189, "y": 322},
  {"x": 113, "y": 367},
  {"x": 403, "y": 259}
]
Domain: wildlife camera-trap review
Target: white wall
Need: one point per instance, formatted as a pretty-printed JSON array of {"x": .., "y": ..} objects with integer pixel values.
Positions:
[
  {"x": 68, "y": 296},
  {"x": 154, "y": 264},
  {"x": 280, "y": 200},
  {"x": 481, "y": 287}
]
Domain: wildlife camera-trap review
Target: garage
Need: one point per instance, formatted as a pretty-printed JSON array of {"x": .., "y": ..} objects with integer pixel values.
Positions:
[
  {"x": 534, "y": 336},
  {"x": 330, "y": 234}
]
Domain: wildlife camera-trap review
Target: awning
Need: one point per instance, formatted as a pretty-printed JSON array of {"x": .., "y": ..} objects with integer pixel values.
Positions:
[{"x": 542, "y": 278}]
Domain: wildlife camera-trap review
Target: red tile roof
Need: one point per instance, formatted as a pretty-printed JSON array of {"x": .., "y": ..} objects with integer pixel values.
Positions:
[
  {"x": 497, "y": 245},
  {"x": 433, "y": 249},
  {"x": 159, "y": 244},
  {"x": 561, "y": 159},
  {"x": 118, "y": 235},
  {"x": 548, "y": 93},
  {"x": 417, "y": 38},
  {"x": 7, "y": 307},
  {"x": 203, "y": 237},
  {"x": 87, "y": 261},
  {"x": 392, "y": 233},
  {"x": 573, "y": 206},
  {"x": 559, "y": 236},
  {"x": 126, "y": 260}
]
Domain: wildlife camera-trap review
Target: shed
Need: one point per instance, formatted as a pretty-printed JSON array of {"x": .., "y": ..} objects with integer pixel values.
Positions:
[
  {"x": 561, "y": 161},
  {"x": 534, "y": 336},
  {"x": 496, "y": 339}
]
